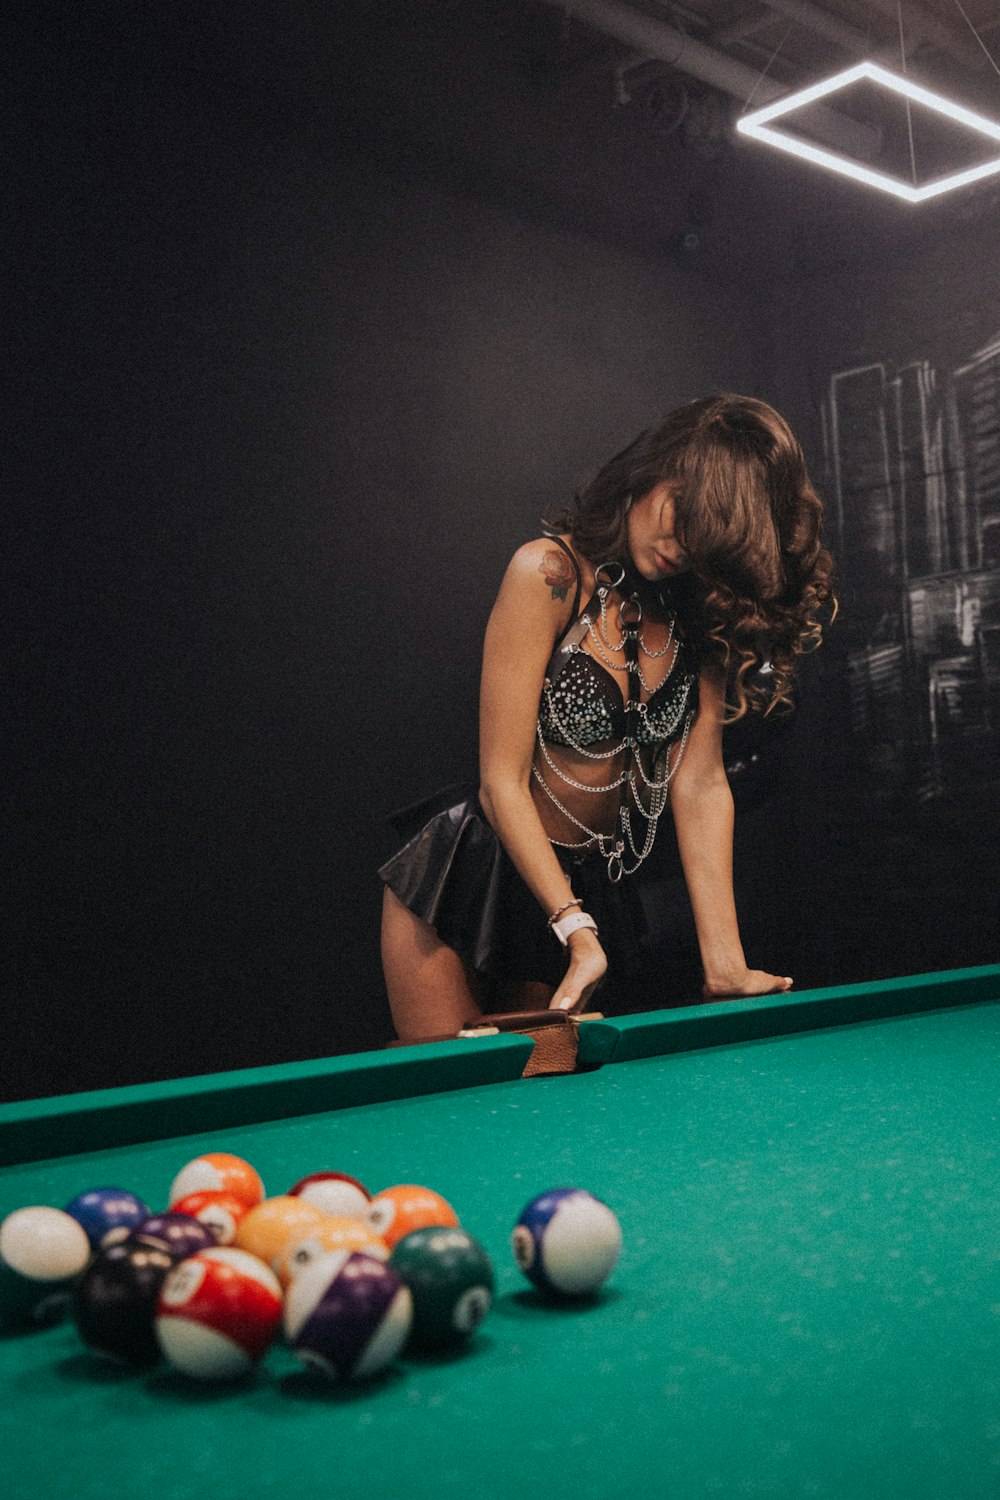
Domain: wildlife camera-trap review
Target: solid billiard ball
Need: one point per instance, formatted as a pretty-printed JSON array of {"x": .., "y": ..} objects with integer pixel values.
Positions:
[
  {"x": 218, "y": 1211},
  {"x": 397, "y": 1211},
  {"x": 217, "y": 1314},
  {"x": 221, "y": 1172},
  {"x": 347, "y": 1315},
  {"x": 335, "y": 1193},
  {"x": 42, "y": 1252},
  {"x": 108, "y": 1214},
  {"x": 115, "y": 1301},
  {"x": 567, "y": 1242},
  {"x": 450, "y": 1278},
  {"x": 331, "y": 1233},
  {"x": 177, "y": 1234},
  {"x": 268, "y": 1229}
]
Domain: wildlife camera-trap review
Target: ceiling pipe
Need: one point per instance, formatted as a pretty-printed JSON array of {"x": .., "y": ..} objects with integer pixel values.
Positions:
[
  {"x": 659, "y": 39},
  {"x": 821, "y": 23},
  {"x": 920, "y": 25}
]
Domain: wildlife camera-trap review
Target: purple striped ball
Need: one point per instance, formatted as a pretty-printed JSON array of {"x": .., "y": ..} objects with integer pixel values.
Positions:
[{"x": 347, "y": 1315}]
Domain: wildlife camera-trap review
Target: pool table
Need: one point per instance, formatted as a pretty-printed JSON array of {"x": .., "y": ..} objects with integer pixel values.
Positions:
[{"x": 807, "y": 1302}]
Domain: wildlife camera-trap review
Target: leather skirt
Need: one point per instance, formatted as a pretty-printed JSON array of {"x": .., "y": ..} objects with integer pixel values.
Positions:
[{"x": 454, "y": 873}]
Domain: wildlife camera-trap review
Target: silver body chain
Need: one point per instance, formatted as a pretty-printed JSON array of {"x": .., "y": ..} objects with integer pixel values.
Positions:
[{"x": 621, "y": 845}]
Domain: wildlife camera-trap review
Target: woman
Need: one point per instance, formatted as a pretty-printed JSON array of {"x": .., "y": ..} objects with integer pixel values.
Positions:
[{"x": 685, "y": 582}]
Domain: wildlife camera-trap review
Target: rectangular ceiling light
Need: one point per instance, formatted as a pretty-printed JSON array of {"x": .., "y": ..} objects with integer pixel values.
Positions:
[{"x": 756, "y": 125}]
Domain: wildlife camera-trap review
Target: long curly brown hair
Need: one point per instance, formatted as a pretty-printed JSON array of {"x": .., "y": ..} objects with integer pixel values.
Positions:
[{"x": 749, "y": 520}]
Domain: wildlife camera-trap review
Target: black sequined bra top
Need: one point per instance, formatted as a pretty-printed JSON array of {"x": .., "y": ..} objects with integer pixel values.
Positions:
[{"x": 582, "y": 703}]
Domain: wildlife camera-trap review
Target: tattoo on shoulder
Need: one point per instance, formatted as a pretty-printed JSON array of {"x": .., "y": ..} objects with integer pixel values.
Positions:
[{"x": 557, "y": 570}]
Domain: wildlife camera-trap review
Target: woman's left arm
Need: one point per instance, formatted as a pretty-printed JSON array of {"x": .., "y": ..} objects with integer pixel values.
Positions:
[{"x": 702, "y": 804}]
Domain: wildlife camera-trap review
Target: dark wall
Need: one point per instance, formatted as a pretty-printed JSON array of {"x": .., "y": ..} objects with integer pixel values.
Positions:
[{"x": 284, "y": 410}]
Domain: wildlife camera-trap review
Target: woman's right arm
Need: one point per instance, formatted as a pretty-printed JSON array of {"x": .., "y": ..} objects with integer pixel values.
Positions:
[{"x": 527, "y": 619}]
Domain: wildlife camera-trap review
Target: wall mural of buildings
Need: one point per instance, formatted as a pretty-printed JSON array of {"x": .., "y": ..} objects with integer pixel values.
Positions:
[{"x": 913, "y": 473}]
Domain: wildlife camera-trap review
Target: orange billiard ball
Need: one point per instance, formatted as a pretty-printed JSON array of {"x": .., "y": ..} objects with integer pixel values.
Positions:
[
  {"x": 268, "y": 1229},
  {"x": 218, "y": 1171},
  {"x": 397, "y": 1211}
]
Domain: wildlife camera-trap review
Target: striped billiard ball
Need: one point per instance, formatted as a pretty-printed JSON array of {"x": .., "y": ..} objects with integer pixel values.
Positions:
[
  {"x": 567, "y": 1242},
  {"x": 217, "y": 1314},
  {"x": 347, "y": 1315}
]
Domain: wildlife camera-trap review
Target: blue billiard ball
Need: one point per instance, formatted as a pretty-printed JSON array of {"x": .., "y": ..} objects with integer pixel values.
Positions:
[
  {"x": 567, "y": 1242},
  {"x": 107, "y": 1214}
]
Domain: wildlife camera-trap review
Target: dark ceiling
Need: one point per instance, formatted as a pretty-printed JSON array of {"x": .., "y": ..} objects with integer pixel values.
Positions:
[{"x": 558, "y": 111}]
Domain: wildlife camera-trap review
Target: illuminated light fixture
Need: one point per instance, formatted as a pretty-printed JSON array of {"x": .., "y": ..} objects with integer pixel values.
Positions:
[{"x": 755, "y": 125}]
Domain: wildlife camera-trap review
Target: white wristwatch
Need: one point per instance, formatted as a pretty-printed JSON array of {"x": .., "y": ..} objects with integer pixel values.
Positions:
[{"x": 571, "y": 923}]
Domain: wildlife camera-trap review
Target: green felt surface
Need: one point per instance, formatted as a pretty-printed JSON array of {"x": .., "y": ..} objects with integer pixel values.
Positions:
[{"x": 808, "y": 1301}]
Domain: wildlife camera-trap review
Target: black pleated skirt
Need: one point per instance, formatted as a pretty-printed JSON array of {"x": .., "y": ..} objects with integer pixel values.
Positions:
[{"x": 453, "y": 872}]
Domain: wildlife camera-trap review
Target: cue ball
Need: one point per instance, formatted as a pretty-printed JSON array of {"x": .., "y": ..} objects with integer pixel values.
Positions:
[
  {"x": 450, "y": 1278},
  {"x": 217, "y": 1314},
  {"x": 218, "y": 1171},
  {"x": 567, "y": 1242},
  {"x": 107, "y": 1214},
  {"x": 348, "y": 1315},
  {"x": 335, "y": 1193},
  {"x": 397, "y": 1211},
  {"x": 42, "y": 1252}
]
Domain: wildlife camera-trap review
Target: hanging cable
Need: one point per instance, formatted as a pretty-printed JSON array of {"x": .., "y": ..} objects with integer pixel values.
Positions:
[
  {"x": 767, "y": 67},
  {"x": 909, "y": 111},
  {"x": 975, "y": 33}
]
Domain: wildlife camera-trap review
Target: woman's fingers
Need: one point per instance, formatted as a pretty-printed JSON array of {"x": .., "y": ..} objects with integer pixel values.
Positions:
[
  {"x": 587, "y": 967},
  {"x": 753, "y": 982}
]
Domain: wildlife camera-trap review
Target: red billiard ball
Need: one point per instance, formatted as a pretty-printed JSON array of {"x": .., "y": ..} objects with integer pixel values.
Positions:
[
  {"x": 219, "y": 1211},
  {"x": 217, "y": 1314},
  {"x": 335, "y": 1193}
]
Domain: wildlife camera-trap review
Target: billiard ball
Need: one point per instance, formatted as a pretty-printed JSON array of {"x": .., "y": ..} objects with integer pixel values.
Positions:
[
  {"x": 217, "y": 1314},
  {"x": 221, "y": 1172},
  {"x": 108, "y": 1214},
  {"x": 218, "y": 1211},
  {"x": 42, "y": 1252},
  {"x": 347, "y": 1315},
  {"x": 335, "y": 1193},
  {"x": 177, "y": 1234},
  {"x": 397, "y": 1211},
  {"x": 567, "y": 1242},
  {"x": 331, "y": 1233},
  {"x": 450, "y": 1278},
  {"x": 267, "y": 1229},
  {"x": 115, "y": 1301}
]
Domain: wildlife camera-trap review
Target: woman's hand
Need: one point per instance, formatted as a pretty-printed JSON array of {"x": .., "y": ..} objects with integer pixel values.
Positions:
[
  {"x": 740, "y": 986},
  {"x": 588, "y": 965}
]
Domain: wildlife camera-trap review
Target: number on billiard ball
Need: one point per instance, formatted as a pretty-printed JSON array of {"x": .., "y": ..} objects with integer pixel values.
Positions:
[{"x": 217, "y": 1314}]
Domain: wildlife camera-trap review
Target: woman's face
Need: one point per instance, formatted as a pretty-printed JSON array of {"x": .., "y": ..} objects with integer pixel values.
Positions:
[{"x": 650, "y": 527}]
